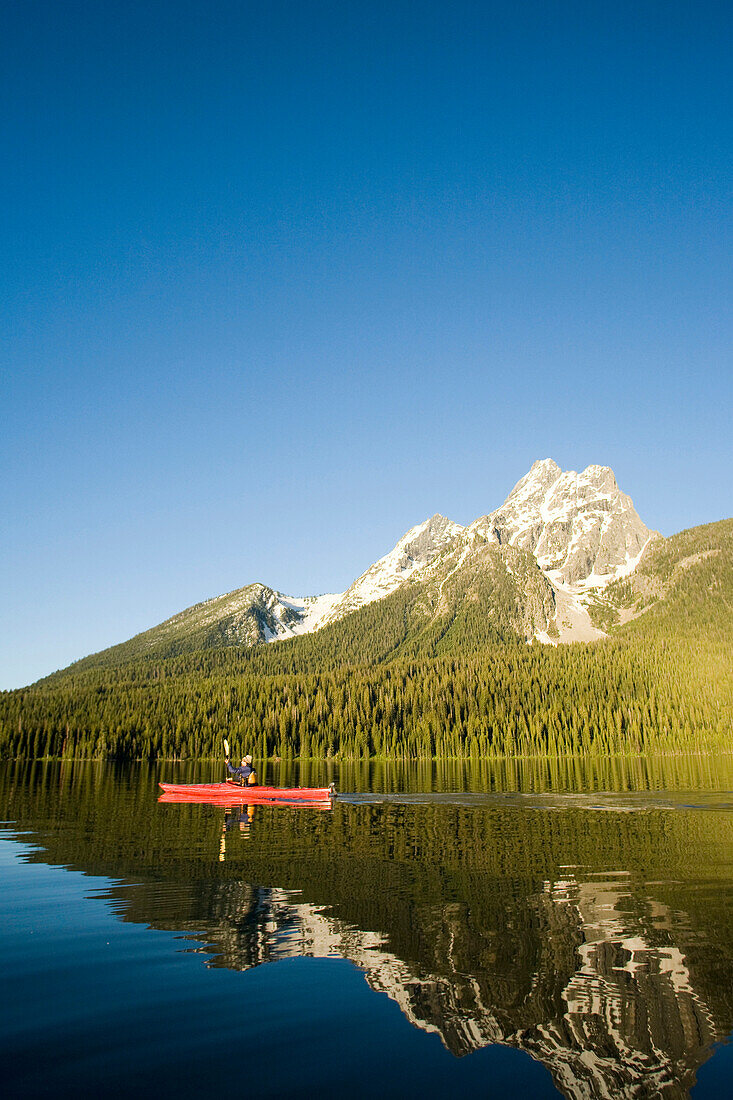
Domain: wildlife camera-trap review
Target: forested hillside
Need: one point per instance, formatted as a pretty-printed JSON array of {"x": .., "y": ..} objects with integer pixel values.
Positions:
[
  {"x": 398, "y": 678},
  {"x": 681, "y": 582}
]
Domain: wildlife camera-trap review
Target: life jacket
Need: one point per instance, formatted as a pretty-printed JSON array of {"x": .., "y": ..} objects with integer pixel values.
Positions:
[
  {"x": 252, "y": 779},
  {"x": 240, "y": 777}
]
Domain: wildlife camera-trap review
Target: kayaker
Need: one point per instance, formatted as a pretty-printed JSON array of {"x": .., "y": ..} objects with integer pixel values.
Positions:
[{"x": 245, "y": 774}]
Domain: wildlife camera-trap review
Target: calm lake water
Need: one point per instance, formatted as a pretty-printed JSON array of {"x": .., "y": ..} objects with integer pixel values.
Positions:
[{"x": 537, "y": 930}]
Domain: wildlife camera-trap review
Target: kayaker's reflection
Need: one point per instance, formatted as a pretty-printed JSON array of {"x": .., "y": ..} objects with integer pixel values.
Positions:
[{"x": 240, "y": 817}]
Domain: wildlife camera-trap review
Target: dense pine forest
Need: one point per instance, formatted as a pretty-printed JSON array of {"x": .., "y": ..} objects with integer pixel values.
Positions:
[{"x": 384, "y": 683}]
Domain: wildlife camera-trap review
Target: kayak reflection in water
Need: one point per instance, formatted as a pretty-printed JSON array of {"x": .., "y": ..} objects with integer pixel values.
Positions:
[
  {"x": 245, "y": 775},
  {"x": 240, "y": 817}
]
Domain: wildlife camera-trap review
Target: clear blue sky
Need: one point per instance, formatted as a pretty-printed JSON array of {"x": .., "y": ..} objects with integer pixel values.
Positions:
[{"x": 280, "y": 280}]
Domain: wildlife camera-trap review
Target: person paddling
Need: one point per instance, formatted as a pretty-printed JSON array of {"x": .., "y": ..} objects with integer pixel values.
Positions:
[{"x": 245, "y": 774}]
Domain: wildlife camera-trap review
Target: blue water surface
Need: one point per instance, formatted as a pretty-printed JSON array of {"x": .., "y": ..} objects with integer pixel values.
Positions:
[{"x": 95, "y": 1006}]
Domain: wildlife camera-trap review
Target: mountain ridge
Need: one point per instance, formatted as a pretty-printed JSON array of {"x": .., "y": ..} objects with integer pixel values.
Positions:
[
  {"x": 534, "y": 569},
  {"x": 580, "y": 530}
]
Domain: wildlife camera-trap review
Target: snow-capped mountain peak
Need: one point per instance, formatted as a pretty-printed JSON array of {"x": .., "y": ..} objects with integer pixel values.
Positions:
[
  {"x": 582, "y": 530},
  {"x": 578, "y": 525}
]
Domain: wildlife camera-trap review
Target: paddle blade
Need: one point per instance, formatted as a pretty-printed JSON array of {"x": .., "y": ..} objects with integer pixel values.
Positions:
[{"x": 226, "y": 747}]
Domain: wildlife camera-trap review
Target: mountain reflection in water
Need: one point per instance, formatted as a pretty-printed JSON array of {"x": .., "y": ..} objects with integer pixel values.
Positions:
[{"x": 592, "y": 932}]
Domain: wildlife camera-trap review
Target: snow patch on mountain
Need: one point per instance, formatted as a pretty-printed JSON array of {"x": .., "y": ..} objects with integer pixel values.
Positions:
[{"x": 296, "y": 615}]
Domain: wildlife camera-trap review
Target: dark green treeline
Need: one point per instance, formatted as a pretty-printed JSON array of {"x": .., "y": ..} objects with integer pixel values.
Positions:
[{"x": 638, "y": 694}]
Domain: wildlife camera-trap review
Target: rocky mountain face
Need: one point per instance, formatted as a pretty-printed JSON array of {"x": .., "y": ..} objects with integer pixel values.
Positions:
[
  {"x": 580, "y": 527},
  {"x": 533, "y": 565}
]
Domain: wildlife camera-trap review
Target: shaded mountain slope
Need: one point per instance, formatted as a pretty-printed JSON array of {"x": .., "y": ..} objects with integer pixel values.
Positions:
[{"x": 684, "y": 582}]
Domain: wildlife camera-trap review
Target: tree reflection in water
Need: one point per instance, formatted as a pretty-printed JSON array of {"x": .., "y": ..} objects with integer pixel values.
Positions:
[{"x": 595, "y": 934}]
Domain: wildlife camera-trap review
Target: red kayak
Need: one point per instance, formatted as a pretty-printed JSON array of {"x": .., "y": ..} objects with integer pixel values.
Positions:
[{"x": 234, "y": 794}]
